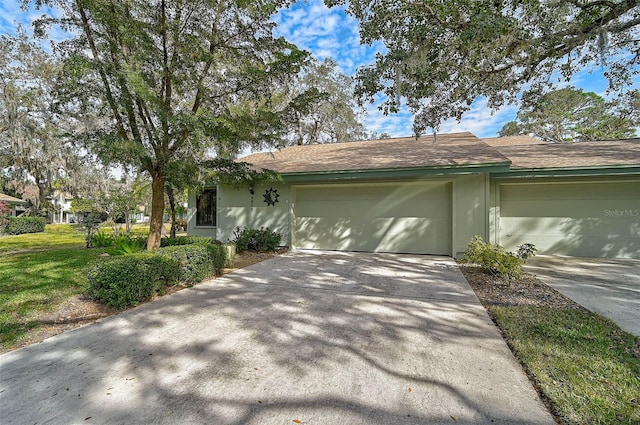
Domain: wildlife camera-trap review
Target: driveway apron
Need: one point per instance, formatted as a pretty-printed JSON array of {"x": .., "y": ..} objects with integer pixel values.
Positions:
[
  {"x": 308, "y": 337},
  {"x": 607, "y": 286}
]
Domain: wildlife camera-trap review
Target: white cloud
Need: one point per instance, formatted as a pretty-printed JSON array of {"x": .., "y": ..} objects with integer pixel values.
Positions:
[{"x": 480, "y": 120}]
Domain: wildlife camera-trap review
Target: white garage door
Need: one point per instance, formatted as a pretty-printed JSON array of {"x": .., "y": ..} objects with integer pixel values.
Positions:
[
  {"x": 403, "y": 218},
  {"x": 598, "y": 219}
]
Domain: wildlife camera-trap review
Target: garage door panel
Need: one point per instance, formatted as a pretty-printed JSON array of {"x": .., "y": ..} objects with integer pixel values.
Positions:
[
  {"x": 559, "y": 227},
  {"x": 563, "y": 191},
  {"x": 583, "y": 219},
  {"x": 376, "y": 218},
  {"x": 583, "y": 208}
]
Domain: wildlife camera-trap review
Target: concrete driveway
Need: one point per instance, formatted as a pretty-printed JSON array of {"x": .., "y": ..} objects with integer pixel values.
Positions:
[
  {"x": 607, "y": 286},
  {"x": 307, "y": 337}
]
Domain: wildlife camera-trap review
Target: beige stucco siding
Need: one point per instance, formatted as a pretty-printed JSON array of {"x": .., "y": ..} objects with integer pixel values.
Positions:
[{"x": 578, "y": 218}]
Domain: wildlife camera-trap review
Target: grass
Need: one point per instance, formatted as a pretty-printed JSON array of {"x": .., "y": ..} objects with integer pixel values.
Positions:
[
  {"x": 54, "y": 236},
  {"x": 583, "y": 363},
  {"x": 38, "y": 272},
  {"x": 36, "y": 282}
]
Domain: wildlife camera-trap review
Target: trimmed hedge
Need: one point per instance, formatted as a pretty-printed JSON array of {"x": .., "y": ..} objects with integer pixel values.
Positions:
[
  {"x": 184, "y": 240},
  {"x": 197, "y": 261},
  {"x": 127, "y": 280},
  {"x": 22, "y": 225}
]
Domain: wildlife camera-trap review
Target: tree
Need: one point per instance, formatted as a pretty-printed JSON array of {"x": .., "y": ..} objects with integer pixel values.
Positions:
[
  {"x": 31, "y": 146},
  {"x": 442, "y": 55},
  {"x": 331, "y": 115},
  {"x": 123, "y": 198},
  {"x": 175, "y": 78},
  {"x": 571, "y": 115}
]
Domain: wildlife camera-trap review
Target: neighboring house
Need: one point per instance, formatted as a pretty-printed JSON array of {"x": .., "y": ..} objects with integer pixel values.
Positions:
[
  {"x": 61, "y": 208},
  {"x": 432, "y": 195},
  {"x": 16, "y": 205}
]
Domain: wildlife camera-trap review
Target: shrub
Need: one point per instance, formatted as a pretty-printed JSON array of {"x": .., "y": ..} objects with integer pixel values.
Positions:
[
  {"x": 89, "y": 225},
  {"x": 102, "y": 240},
  {"x": 125, "y": 245},
  {"x": 185, "y": 240},
  {"x": 262, "y": 239},
  {"x": 526, "y": 250},
  {"x": 21, "y": 225},
  {"x": 197, "y": 261},
  {"x": 495, "y": 259},
  {"x": 128, "y": 280},
  {"x": 221, "y": 256}
]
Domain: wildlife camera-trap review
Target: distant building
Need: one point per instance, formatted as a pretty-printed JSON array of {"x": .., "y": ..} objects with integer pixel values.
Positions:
[
  {"x": 61, "y": 211},
  {"x": 17, "y": 205}
]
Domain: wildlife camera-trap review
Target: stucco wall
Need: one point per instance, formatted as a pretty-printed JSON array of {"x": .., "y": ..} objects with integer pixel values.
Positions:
[
  {"x": 470, "y": 209},
  {"x": 236, "y": 208}
]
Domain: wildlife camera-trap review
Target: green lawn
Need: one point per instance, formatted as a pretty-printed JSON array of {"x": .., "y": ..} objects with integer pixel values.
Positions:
[
  {"x": 36, "y": 282},
  {"x": 55, "y": 236},
  {"x": 38, "y": 272},
  {"x": 584, "y": 364}
]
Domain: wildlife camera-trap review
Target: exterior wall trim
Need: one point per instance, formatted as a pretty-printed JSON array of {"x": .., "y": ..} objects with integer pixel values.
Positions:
[
  {"x": 395, "y": 174},
  {"x": 567, "y": 172}
]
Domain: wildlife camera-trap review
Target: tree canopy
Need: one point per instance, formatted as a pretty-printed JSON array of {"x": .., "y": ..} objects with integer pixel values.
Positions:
[
  {"x": 37, "y": 144},
  {"x": 442, "y": 55},
  {"x": 572, "y": 115},
  {"x": 331, "y": 115},
  {"x": 175, "y": 79}
]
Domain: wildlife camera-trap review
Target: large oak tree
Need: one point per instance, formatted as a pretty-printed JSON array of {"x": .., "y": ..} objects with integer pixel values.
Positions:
[
  {"x": 572, "y": 115},
  {"x": 37, "y": 145},
  {"x": 176, "y": 78},
  {"x": 442, "y": 55}
]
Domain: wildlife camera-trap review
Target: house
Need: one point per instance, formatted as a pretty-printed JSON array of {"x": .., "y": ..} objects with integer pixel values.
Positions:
[
  {"x": 61, "y": 212},
  {"x": 431, "y": 195},
  {"x": 14, "y": 204}
]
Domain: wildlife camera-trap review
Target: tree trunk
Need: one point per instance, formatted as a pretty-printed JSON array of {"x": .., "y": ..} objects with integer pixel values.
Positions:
[
  {"x": 127, "y": 217},
  {"x": 172, "y": 205},
  {"x": 157, "y": 209}
]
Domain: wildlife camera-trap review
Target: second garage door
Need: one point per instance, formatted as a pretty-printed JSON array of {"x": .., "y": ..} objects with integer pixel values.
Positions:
[
  {"x": 591, "y": 219},
  {"x": 394, "y": 217}
]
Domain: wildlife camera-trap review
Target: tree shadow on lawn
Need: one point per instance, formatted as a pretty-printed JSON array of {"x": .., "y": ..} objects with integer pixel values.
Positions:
[
  {"x": 308, "y": 337},
  {"x": 59, "y": 274}
]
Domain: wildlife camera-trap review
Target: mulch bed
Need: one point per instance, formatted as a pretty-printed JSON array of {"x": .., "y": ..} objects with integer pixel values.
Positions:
[{"x": 525, "y": 291}]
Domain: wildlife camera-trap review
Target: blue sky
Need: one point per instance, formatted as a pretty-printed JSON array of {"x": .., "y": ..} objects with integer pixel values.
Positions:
[{"x": 330, "y": 33}]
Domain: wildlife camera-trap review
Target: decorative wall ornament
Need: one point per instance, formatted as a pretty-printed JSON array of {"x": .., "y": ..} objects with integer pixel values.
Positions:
[{"x": 271, "y": 196}]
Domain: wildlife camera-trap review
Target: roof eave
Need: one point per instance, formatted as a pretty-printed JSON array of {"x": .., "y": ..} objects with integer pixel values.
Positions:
[
  {"x": 608, "y": 170},
  {"x": 394, "y": 173}
]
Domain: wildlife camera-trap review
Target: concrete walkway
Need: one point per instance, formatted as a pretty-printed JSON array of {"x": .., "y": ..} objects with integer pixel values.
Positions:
[
  {"x": 315, "y": 337},
  {"x": 607, "y": 286}
]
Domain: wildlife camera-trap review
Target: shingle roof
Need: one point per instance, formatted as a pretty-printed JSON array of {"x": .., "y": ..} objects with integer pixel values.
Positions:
[
  {"x": 574, "y": 155},
  {"x": 447, "y": 150},
  {"x": 7, "y": 198},
  {"x": 457, "y": 149},
  {"x": 512, "y": 141}
]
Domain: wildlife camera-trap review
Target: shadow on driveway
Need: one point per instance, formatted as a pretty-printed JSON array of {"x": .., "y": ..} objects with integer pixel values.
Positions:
[
  {"x": 607, "y": 286},
  {"x": 315, "y": 337}
]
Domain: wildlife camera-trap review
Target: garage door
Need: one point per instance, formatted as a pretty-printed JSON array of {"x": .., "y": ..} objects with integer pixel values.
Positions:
[
  {"x": 582, "y": 219},
  {"x": 404, "y": 218}
]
